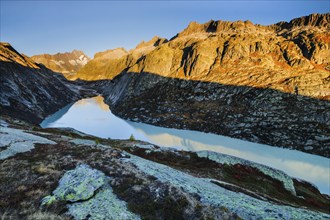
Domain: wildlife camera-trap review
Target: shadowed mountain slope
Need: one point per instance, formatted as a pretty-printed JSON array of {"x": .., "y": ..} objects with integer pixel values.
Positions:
[
  {"x": 30, "y": 91},
  {"x": 255, "y": 114}
]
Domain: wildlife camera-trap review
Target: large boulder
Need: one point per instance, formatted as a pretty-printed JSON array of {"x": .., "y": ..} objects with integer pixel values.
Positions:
[{"x": 77, "y": 185}]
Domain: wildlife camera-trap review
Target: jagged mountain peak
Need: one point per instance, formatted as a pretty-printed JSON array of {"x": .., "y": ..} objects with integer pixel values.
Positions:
[
  {"x": 109, "y": 63},
  {"x": 213, "y": 26},
  {"x": 316, "y": 20},
  {"x": 111, "y": 54},
  {"x": 66, "y": 63},
  {"x": 155, "y": 41},
  {"x": 77, "y": 51},
  {"x": 73, "y": 53},
  {"x": 218, "y": 26}
]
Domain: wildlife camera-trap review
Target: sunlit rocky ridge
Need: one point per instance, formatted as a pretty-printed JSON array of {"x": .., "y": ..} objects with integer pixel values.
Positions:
[{"x": 280, "y": 56}]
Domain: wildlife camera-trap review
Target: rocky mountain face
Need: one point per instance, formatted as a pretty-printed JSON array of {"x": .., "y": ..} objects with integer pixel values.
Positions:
[
  {"x": 29, "y": 90},
  {"x": 267, "y": 84},
  {"x": 66, "y": 63},
  {"x": 259, "y": 115},
  {"x": 318, "y": 20},
  {"x": 280, "y": 56}
]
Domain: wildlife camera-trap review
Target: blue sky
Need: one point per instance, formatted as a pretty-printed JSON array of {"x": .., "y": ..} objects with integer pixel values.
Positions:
[{"x": 35, "y": 27}]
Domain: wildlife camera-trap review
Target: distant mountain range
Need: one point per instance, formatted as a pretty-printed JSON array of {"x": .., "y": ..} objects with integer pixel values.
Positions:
[
  {"x": 66, "y": 63},
  {"x": 108, "y": 64}
]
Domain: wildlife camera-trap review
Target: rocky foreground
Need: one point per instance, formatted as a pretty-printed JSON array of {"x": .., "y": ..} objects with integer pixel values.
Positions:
[{"x": 62, "y": 173}]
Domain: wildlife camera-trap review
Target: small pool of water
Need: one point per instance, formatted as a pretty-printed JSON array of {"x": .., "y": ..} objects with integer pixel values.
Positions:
[{"x": 94, "y": 117}]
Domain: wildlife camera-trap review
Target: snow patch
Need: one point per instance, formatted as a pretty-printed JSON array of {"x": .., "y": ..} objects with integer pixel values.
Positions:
[
  {"x": 73, "y": 62},
  {"x": 58, "y": 62}
]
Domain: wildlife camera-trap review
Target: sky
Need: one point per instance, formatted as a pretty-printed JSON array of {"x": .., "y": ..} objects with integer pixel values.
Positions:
[{"x": 41, "y": 26}]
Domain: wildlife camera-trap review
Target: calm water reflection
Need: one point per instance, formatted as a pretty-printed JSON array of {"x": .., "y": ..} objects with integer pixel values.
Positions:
[{"x": 94, "y": 117}]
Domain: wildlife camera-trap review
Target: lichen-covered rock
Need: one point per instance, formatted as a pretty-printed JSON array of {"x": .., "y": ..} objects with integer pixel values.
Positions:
[
  {"x": 149, "y": 189},
  {"x": 231, "y": 160},
  {"x": 77, "y": 185},
  {"x": 104, "y": 205},
  {"x": 90, "y": 195},
  {"x": 210, "y": 194},
  {"x": 15, "y": 141}
]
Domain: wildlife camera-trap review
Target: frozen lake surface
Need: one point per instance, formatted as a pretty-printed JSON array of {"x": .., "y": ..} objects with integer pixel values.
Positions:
[{"x": 94, "y": 117}]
